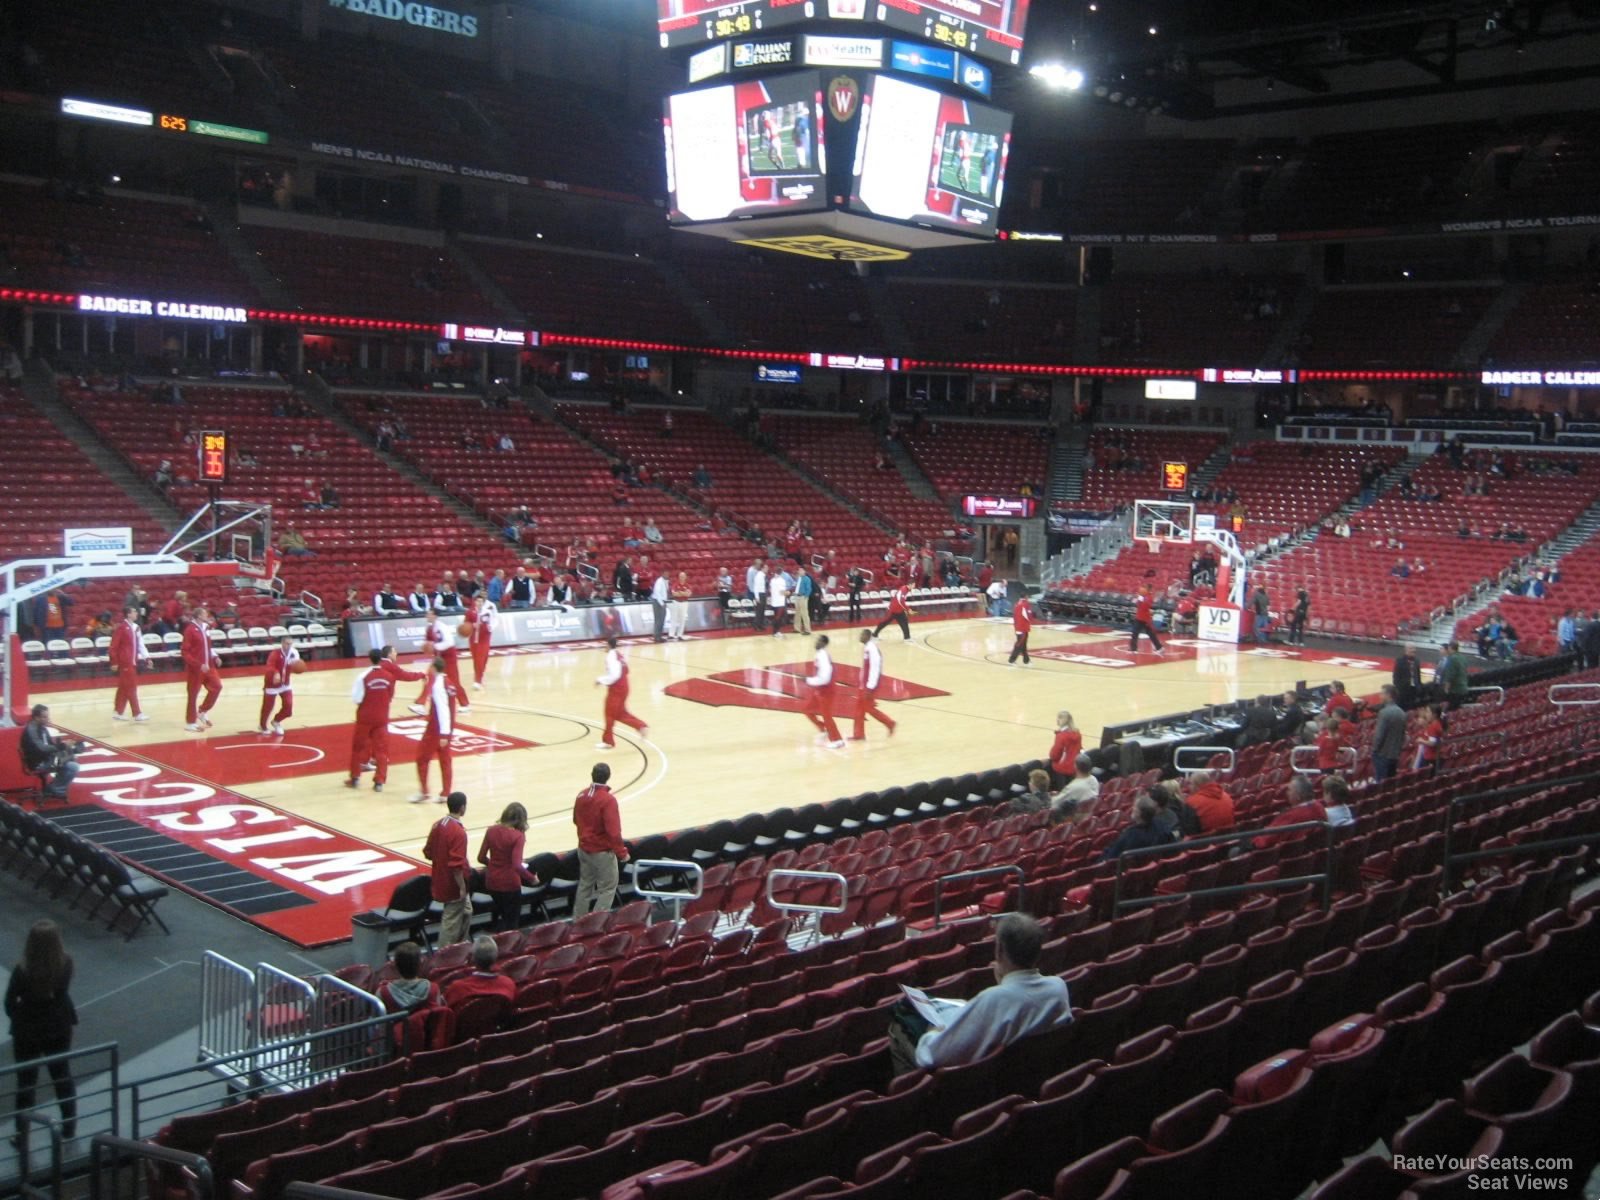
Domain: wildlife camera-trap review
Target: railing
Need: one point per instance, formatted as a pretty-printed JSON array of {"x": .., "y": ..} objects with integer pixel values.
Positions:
[
  {"x": 1295, "y": 753},
  {"x": 227, "y": 995},
  {"x": 1324, "y": 877},
  {"x": 981, "y": 873},
  {"x": 311, "y": 600},
  {"x": 95, "y": 1106},
  {"x": 297, "y": 1062},
  {"x": 789, "y": 906},
  {"x": 1510, "y": 792},
  {"x": 1515, "y": 850},
  {"x": 1177, "y": 759},
  {"x": 669, "y": 864},
  {"x": 284, "y": 1012},
  {"x": 108, "y": 1153},
  {"x": 341, "y": 1007},
  {"x": 1589, "y": 690},
  {"x": 1500, "y": 693}
]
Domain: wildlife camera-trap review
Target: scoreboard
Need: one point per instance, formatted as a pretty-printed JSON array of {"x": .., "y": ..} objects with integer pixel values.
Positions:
[{"x": 987, "y": 28}]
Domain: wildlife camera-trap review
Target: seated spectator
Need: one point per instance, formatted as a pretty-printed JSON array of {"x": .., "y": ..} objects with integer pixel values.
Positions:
[
  {"x": 1143, "y": 833},
  {"x": 505, "y": 445},
  {"x": 483, "y": 979},
  {"x": 652, "y": 533},
  {"x": 1210, "y": 801},
  {"x": 1037, "y": 798},
  {"x": 1303, "y": 806},
  {"x": 293, "y": 543},
  {"x": 1080, "y": 794},
  {"x": 410, "y": 991},
  {"x": 702, "y": 478},
  {"x": 1022, "y": 1002},
  {"x": 619, "y": 493},
  {"x": 1401, "y": 569},
  {"x": 330, "y": 497}
]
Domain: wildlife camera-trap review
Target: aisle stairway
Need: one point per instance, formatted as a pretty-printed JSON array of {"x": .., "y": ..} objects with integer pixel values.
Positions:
[{"x": 1066, "y": 466}]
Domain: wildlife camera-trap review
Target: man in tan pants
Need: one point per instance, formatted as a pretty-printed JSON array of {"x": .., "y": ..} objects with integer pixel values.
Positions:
[{"x": 600, "y": 846}]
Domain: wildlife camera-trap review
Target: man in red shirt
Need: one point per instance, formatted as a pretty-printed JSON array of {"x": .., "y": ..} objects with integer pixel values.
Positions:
[
  {"x": 372, "y": 694},
  {"x": 481, "y": 619},
  {"x": 127, "y": 652},
  {"x": 1211, "y": 803},
  {"x": 1144, "y": 621},
  {"x": 483, "y": 979},
  {"x": 172, "y": 613},
  {"x": 899, "y": 608},
  {"x": 600, "y": 845},
  {"x": 1304, "y": 805},
  {"x": 275, "y": 686},
  {"x": 446, "y": 849},
  {"x": 867, "y": 688},
  {"x": 444, "y": 695},
  {"x": 1022, "y": 623},
  {"x": 200, "y": 663}
]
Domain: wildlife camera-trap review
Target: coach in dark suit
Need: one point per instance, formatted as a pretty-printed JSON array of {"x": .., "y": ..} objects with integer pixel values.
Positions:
[{"x": 1259, "y": 722}]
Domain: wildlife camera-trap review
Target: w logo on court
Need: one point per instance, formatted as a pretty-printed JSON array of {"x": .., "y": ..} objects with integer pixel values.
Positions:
[{"x": 782, "y": 688}]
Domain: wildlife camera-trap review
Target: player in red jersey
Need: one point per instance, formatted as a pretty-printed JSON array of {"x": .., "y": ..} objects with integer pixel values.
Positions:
[
  {"x": 444, "y": 698},
  {"x": 1022, "y": 623},
  {"x": 481, "y": 619},
  {"x": 867, "y": 688},
  {"x": 1144, "y": 621},
  {"x": 615, "y": 681},
  {"x": 899, "y": 611},
  {"x": 127, "y": 652},
  {"x": 439, "y": 641},
  {"x": 275, "y": 686},
  {"x": 819, "y": 705},
  {"x": 200, "y": 663},
  {"x": 372, "y": 695}
]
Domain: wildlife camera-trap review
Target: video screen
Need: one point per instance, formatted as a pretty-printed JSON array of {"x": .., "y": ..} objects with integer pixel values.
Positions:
[
  {"x": 987, "y": 28},
  {"x": 929, "y": 158},
  {"x": 746, "y": 149}
]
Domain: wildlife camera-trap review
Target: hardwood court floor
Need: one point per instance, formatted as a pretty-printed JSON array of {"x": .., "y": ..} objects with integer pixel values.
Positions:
[{"x": 728, "y": 752}]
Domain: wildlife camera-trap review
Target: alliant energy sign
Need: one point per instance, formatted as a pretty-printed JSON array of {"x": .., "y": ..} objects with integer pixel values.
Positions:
[{"x": 487, "y": 335}]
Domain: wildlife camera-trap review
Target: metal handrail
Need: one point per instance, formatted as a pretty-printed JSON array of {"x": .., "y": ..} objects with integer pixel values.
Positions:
[
  {"x": 1355, "y": 757},
  {"x": 25, "y": 1185},
  {"x": 1514, "y": 850},
  {"x": 310, "y": 599},
  {"x": 790, "y": 906},
  {"x": 1593, "y": 689},
  {"x": 227, "y": 992},
  {"x": 1232, "y": 889},
  {"x": 1219, "y": 839},
  {"x": 982, "y": 872},
  {"x": 1178, "y": 754},
  {"x": 671, "y": 864},
  {"x": 1492, "y": 687},
  {"x": 124, "y": 1149},
  {"x": 321, "y": 1191}
]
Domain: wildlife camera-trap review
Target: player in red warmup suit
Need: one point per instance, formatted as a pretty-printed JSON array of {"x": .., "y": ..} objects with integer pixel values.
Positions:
[
  {"x": 276, "y": 687},
  {"x": 372, "y": 694},
  {"x": 127, "y": 652},
  {"x": 200, "y": 663},
  {"x": 615, "y": 681},
  {"x": 481, "y": 618},
  {"x": 867, "y": 689},
  {"x": 444, "y": 697},
  {"x": 439, "y": 641},
  {"x": 819, "y": 705}
]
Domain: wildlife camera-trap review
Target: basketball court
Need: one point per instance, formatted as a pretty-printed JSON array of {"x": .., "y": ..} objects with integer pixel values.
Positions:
[{"x": 725, "y": 737}]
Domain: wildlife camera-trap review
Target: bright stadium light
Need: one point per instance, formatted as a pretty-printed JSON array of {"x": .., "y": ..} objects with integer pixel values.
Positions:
[{"x": 1058, "y": 76}]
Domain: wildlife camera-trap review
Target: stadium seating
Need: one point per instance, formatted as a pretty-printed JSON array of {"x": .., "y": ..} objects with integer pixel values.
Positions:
[
  {"x": 747, "y": 484},
  {"x": 840, "y": 451},
  {"x": 827, "y": 309},
  {"x": 1124, "y": 465},
  {"x": 385, "y": 529},
  {"x": 959, "y": 457},
  {"x": 1191, "y": 319},
  {"x": 329, "y": 273},
  {"x": 756, "y": 1072},
  {"x": 956, "y": 320},
  {"x": 565, "y": 484},
  {"x": 593, "y": 295},
  {"x": 1390, "y": 327},
  {"x": 114, "y": 243},
  {"x": 1552, "y": 323}
]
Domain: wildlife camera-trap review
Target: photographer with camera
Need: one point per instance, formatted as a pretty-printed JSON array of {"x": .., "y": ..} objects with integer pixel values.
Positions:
[{"x": 44, "y": 754}]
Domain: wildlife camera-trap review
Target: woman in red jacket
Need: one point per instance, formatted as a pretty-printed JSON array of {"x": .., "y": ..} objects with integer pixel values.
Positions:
[
  {"x": 1068, "y": 745},
  {"x": 504, "y": 872}
]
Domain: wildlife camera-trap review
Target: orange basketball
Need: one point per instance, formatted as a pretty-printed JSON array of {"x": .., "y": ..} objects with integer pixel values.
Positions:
[
  {"x": 297, "y": 667},
  {"x": 465, "y": 629}
]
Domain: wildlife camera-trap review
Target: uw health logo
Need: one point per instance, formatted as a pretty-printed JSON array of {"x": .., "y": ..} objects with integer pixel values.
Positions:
[{"x": 782, "y": 688}]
